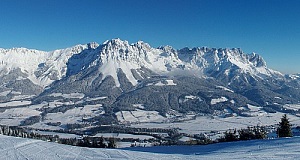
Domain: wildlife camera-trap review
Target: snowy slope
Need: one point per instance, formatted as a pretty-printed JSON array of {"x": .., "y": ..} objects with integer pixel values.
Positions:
[{"x": 20, "y": 148}]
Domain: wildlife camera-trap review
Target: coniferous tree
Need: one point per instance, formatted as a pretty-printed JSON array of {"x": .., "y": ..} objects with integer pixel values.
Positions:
[
  {"x": 284, "y": 129},
  {"x": 230, "y": 136},
  {"x": 246, "y": 134},
  {"x": 112, "y": 143},
  {"x": 260, "y": 132},
  {"x": 101, "y": 142}
]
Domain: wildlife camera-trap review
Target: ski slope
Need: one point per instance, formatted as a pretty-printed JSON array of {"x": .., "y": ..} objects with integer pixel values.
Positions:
[{"x": 13, "y": 148}]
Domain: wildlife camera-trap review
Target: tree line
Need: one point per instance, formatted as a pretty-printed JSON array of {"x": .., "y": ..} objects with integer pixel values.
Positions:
[
  {"x": 93, "y": 142},
  {"x": 258, "y": 132}
]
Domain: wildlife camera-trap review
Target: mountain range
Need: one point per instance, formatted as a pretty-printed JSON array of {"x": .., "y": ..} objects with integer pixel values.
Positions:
[{"x": 126, "y": 77}]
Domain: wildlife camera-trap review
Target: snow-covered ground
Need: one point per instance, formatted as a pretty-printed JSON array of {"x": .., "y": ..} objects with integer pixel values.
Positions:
[
  {"x": 189, "y": 97},
  {"x": 225, "y": 89},
  {"x": 75, "y": 115},
  {"x": 123, "y": 135},
  {"x": 14, "y": 116},
  {"x": 169, "y": 83},
  {"x": 13, "y": 148},
  {"x": 218, "y": 100},
  {"x": 15, "y": 103},
  {"x": 139, "y": 116},
  {"x": 218, "y": 123},
  {"x": 71, "y": 95},
  {"x": 295, "y": 107}
]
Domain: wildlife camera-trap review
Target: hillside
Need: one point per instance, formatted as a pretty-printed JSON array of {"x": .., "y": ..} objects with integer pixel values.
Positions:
[{"x": 20, "y": 148}]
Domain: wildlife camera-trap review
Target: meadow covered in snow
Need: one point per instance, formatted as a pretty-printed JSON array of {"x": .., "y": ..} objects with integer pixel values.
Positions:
[{"x": 13, "y": 148}]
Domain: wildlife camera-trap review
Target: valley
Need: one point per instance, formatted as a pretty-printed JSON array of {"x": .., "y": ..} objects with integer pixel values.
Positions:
[{"x": 75, "y": 118}]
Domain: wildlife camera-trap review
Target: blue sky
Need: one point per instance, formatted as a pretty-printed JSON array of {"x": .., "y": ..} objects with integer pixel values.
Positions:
[{"x": 270, "y": 28}]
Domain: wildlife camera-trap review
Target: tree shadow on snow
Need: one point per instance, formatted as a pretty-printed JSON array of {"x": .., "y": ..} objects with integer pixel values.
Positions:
[{"x": 224, "y": 147}]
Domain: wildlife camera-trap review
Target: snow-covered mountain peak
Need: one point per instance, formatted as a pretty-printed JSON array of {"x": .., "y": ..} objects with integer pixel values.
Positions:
[
  {"x": 225, "y": 62},
  {"x": 257, "y": 60},
  {"x": 115, "y": 43},
  {"x": 116, "y": 68},
  {"x": 115, "y": 49},
  {"x": 23, "y": 58},
  {"x": 116, "y": 54},
  {"x": 42, "y": 68},
  {"x": 167, "y": 48},
  {"x": 141, "y": 45},
  {"x": 19, "y": 50},
  {"x": 93, "y": 45}
]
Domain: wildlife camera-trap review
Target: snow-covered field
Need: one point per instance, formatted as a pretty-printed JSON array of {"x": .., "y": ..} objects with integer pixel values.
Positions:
[
  {"x": 71, "y": 95},
  {"x": 216, "y": 123},
  {"x": 147, "y": 119},
  {"x": 123, "y": 135},
  {"x": 15, "y": 103},
  {"x": 75, "y": 115},
  {"x": 295, "y": 107},
  {"x": 218, "y": 100},
  {"x": 15, "y": 112},
  {"x": 139, "y": 116},
  {"x": 13, "y": 148},
  {"x": 14, "y": 116}
]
